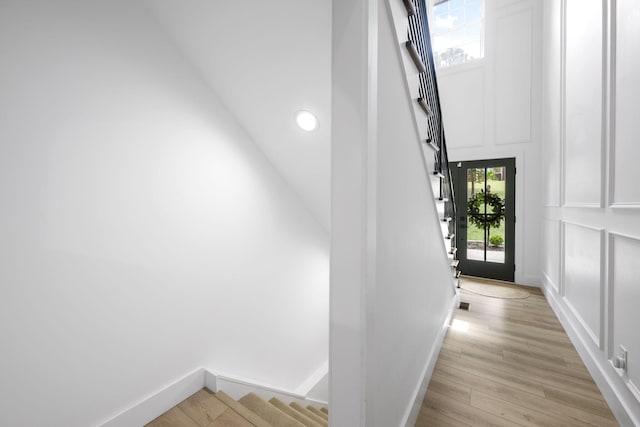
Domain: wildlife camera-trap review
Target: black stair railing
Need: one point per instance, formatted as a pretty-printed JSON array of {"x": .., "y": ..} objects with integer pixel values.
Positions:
[{"x": 429, "y": 101}]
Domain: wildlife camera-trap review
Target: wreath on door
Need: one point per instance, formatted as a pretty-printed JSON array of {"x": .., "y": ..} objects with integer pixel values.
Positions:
[{"x": 495, "y": 210}]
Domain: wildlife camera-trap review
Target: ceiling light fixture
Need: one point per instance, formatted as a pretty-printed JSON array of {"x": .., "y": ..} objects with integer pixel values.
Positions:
[{"x": 307, "y": 121}]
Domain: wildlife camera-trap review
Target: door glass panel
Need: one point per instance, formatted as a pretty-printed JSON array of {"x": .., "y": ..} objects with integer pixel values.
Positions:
[{"x": 485, "y": 214}]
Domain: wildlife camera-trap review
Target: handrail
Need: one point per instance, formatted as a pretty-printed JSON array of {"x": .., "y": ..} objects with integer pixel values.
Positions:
[{"x": 429, "y": 100}]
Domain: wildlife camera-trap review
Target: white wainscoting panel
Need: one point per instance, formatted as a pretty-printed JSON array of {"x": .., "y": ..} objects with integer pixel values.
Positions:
[
  {"x": 462, "y": 100},
  {"x": 552, "y": 102},
  {"x": 582, "y": 281},
  {"x": 513, "y": 77},
  {"x": 552, "y": 240},
  {"x": 507, "y": 3},
  {"x": 625, "y": 147},
  {"x": 624, "y": 297},
  {"x": 583, "y": 103}
]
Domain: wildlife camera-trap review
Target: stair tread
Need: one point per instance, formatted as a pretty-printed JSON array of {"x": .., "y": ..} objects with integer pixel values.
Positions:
[
  {"x": 454, "y": 263},
  {"x": 173, "y": 417},
  {"x": 242, "y": 410},
  {"x": 203, "y": 407},
  {"x": 309, "y": 414},
  {"x": 432, "y": 145},
  {"x": 318, "y": 412},
  {"x": 325, "y": 410},
  {"x": 293, "y": 413},
  {"x": 230, "y": 418},
  {"x": 411, "y": 9},
  {"x": 268, "y": 412}
]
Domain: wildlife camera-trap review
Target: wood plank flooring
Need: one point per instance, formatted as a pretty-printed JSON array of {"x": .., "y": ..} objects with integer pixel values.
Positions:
[{"x": 513, "y": 366}]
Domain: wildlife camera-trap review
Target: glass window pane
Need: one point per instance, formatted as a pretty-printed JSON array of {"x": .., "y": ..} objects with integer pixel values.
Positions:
[
  {"x": 496, "y": 186},
  {"x": 473, "y": 11},
  {"x": 475, "y": 232},
  {"x": 461, "y": 21},
  {"x": 454, "y": 4},
  {"x": 486, "y": 190}
]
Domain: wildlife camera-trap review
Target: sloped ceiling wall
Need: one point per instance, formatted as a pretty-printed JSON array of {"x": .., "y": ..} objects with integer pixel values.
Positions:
[{"x": 266, "y": 61}]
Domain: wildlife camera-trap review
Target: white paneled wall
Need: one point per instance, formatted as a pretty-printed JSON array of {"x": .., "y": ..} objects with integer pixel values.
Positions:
[
  {"x": 625, "y": 294},
  {"x": 551, "y": 244},
  {"x": 491, "y": 109},
  {"x": 583, "y": 104},
  {"x": 592, "y": 231},
  {"x": 624, "y": 149},
  {"x": 467, "y": 85},
  {"x": 552, "y": 103},
  {"x": 582, "y": 276},
  {"x": 513, "y": 76}
]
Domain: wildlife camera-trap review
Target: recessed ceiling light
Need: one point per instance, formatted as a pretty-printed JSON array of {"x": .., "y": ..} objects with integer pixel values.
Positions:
[{"x": 307, "y": 121}]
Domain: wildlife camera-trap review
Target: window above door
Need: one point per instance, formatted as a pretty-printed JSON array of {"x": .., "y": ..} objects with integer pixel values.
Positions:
[{"x": 457, "y": 31}]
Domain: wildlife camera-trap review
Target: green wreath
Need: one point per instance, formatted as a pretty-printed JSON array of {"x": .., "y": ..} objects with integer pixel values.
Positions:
[{"x": 493, "y": 217}]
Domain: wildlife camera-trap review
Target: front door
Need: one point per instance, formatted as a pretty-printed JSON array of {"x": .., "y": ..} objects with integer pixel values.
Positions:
[{"x": 485, "y": 198}]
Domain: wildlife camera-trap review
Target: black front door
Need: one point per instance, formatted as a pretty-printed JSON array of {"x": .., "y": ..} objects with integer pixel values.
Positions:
[{"x": 485, "y": 197}]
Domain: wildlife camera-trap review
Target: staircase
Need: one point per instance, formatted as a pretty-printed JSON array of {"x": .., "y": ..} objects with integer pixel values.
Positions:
[
  {"x": 424, "y": 90},
  {"x": 208, "y": 409}
]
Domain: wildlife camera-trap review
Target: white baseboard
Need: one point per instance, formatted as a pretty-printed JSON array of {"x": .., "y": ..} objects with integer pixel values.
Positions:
[
  {"x": 612, "y": 392},
  {"x": 158, "y": 403},
  {"x": 528, "y": 280},
  {"x": 313, "y": 379},
  {"x": 412, "y": 412},
  {"x": 237, "y": 387},
  {"x": 155, "y": 405}
]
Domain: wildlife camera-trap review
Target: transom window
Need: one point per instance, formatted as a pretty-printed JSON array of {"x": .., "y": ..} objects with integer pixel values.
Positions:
[{"x": 457, "y": 31}]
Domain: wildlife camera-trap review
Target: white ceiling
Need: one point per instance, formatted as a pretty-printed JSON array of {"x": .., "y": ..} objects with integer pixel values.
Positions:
[{"x": 266, "y": 60}]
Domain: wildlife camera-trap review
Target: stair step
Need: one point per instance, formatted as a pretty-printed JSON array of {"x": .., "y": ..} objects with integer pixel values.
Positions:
[
  {"x": 450, "y": 236},
  {"x": 411, "y": 9},
  {"x": 318, "y": 412},
  {"x": 173, "y": 417},
  {"x": 206, "y": 408},
  {"x": 455, "y": 262},
  {"x": 439, "y": 175},
  {"x": 309, "y": 414},
  {"x": 425, "y": 107},
  {"x": 203, "y": 407},
  {"x": 453, "y": 251},
  {"x": 458, "y": 274},
  {"x": 293, "y": 413},
  {"x": 415, "y": 56},
  {"x": 443, "y": 199},
  {"x": 229, "y": 418},
  {"x": 242, "y": 410},
  {"x": 268, "y": 412},
  {"x": 446, "y": 219},
  {"x": 432, "y": 145}
]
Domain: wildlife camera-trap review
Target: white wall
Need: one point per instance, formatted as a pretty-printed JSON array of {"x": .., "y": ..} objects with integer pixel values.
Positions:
[
  {"x": 414, "y": 282},
  {"x": 591, "y": 217},
  {"x": 142, "y": 233},
  {"x": 491, "y": 109},
  {"x": 391, "y": 286},
  {"x": 266, "y": 60}
]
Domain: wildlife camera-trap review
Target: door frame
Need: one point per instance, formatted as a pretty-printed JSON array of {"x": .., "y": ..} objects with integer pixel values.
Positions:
[{"x": 500, "y": 271}]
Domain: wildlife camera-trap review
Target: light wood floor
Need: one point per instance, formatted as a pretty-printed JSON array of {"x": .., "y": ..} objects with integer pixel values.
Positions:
[{"x": 515, "y": 365}]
